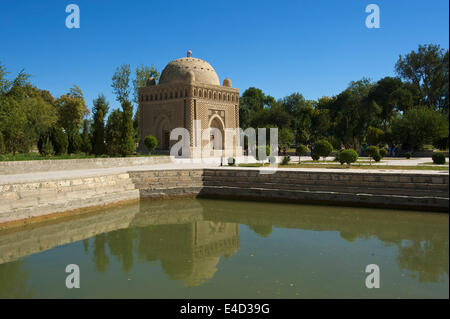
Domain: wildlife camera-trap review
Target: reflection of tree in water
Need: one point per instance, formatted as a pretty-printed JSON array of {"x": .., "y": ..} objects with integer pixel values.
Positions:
[
  {"x": 13, "y": 281},
  {"x": 262, "y": 230},
  {"x": 120, "y": 243},
  {"x": 428, "y": 258},
  {"x": 101, "y": 259}
]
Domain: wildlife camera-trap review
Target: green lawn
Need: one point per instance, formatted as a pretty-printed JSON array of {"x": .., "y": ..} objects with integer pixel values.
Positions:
[
  {"x": 37, "y": 156},
  {"x": 354, "y": 166}
]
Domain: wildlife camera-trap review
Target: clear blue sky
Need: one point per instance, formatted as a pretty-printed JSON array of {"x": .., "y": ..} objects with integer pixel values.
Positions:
[{"x": 312, "y": 47}]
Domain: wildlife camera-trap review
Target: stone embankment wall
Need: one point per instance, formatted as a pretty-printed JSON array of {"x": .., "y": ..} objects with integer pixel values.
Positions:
[
  {"x": 390, "y": 190},
  {"x": 34, "y": 199},
  {"x": 22, "y": 201},
  {"x": 22, "y": 167}
]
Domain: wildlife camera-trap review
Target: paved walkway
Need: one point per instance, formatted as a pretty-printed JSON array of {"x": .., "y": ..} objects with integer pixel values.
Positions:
[{"x": 187, "y": 164}]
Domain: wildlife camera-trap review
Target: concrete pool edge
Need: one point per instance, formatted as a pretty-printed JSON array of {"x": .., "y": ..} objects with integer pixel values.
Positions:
[{"x": 25, "y": 201}]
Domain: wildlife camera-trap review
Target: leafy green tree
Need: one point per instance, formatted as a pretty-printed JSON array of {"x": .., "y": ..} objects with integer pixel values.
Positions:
[
  {"x": 2, "y": 144},
  {"x": 121, "y": 83},
  {"x": 151, "y": 143},
  {"x": 373, "y": 152},
  {"x": 72, "y": 108},
  {"x": 427, "y": 70},
  {"x": 142, "y": 74},
  {"x": 60, "y": 141},
  {"x": 285, "y": 137},
  {"x": 14, "y": 125},
  {"x": 375, "y": 136},
  {"x": 101, "y": 108},
  {"x": 301, "y": 150},
  {"x": 113, "y": 133},
  {"x": 420, "y": 125}
]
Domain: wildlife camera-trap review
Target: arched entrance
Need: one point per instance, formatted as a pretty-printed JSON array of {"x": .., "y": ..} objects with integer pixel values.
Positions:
[
  {"x": 163, "y": 132},
  {"x": 216, "y": 123}
]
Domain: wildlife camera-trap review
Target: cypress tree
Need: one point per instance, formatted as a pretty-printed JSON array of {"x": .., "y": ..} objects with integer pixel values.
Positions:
[
  {"x": 98, "y": 133},
  {"x": 128, "y": 146}
]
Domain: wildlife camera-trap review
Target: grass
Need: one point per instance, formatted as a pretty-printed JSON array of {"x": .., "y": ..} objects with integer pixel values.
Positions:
[
  {"x": 37, "y": 157},
  {"x": 431, "y": 163},
  {"x": 353, "y": 166}
]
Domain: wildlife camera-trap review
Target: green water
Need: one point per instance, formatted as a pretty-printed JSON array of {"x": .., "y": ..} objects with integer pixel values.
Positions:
[{"x": 229, "y": 249}]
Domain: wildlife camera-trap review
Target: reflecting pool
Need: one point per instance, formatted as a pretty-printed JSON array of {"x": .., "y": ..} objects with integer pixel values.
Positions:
[{"x": 204, "y": 248}]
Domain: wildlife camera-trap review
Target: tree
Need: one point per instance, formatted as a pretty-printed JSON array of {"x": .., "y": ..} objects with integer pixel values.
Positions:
[
  {"x": 373, "y": 152},
  {"x": 72, "y": 108},
  {"x": 113, "y": 133},
  {"x": 418, "y": 126},
  {"x": 86, "y": 144},
  {"x": 13, "y": 123},
  {"x": 301, "y": 150},
  {"x": 285, "y": 137},
  {"x": 121, "y": 83},
  {"x": 128, "y": 145},
  {"x": 323, "y": 148},
  {"x": 427, "y": 70},
  {"x": 375, "y": 136},
  {"x": 98, "y": 132},
  {"x": 151, "y": 143},
  {"x": 142, "y": 74}
]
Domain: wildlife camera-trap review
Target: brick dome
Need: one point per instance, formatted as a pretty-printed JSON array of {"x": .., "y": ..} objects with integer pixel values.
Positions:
[{"x": 182, "y": 69}]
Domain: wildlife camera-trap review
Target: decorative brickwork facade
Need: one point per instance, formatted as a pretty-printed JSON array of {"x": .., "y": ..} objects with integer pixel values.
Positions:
[{"x": 188, "y": 90}]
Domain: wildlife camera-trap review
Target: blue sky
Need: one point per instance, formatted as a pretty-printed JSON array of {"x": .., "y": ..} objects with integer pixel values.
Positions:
[{"x": 312, "y": 47}]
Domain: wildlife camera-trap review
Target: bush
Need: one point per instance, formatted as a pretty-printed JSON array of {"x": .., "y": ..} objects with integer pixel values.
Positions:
[
  {"x": 286, "y": 160},
  {"x": 150, "y": 143},
  {"x": 438, "y": 158},
  {"x": 323, "y": 148},
  {"x": 231, "y": 161},
  {"x": 315, "y": 157},
  {"x": 383, "y": 152},
  {"x": 348, "y": 156},
  {"x": 372, "y": 152},
  {"x": 377, "y": 157},
  {"x": 408, "y": 155}
]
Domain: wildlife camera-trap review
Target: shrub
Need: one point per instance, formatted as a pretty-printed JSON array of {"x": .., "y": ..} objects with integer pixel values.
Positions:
[
  {"x": 377, "y": 157},
  {"x": 286, "y": 160},
  {"x": 231, "y": 161},
  {"x": 438, "y": 158},
  {"x": 383, "y": 152},
  {"x": 323, "y": 148},
  {"x": 372, "y": 152},
  {"x": 315, "y": 157},
  {"x": 408, "y": 155},
  {"x": 150, "y": 143},
  {"x": 348, "y": 156}
]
